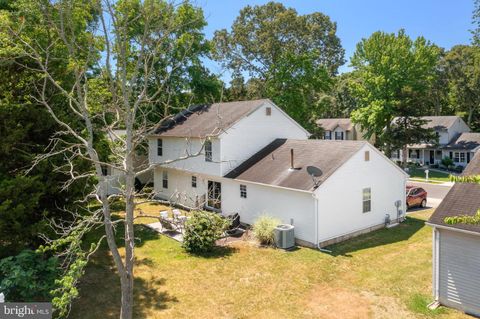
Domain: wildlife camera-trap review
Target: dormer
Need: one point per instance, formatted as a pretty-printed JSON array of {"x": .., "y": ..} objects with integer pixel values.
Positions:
[{"x": 447, "y": 128}]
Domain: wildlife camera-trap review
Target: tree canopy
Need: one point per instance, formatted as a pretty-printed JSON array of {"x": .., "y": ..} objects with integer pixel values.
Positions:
[{"x": 394, "y": 75}]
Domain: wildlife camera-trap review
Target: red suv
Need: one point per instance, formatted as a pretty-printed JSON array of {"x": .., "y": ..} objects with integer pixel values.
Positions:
[{"x": 416, "y": 197}]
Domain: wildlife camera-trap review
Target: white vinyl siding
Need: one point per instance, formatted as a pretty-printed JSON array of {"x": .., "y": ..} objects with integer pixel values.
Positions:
[{"x": 459, "y": 275}]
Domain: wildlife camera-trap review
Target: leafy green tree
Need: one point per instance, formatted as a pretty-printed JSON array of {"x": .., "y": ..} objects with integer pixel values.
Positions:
[
  {"x": 394, "y": 76},
  {"x": 476, "y": 23},
  {"x": 463, "y": 72},
  {"x": 343, "y": 101},
  {"x": 98, "y": 66},
  {"x": 26, "y": 128},
  {"x": 29, "y": 276},
  {"x": 286, "y": 56}
]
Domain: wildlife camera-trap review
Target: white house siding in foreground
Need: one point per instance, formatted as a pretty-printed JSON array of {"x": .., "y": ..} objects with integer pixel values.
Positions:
[
  {"x": 338, "y": 215},
  {"x": 339, "y": 200},
  {"x": 456, "y": 247},
  {"x": 289, "y": 206}
]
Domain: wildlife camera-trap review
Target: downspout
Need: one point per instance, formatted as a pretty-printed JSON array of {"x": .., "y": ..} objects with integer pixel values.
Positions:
[
  {"x": 316, "y": 218},
  {"x": 436, "y": 256},
  {"x": 315, "y": 198}
]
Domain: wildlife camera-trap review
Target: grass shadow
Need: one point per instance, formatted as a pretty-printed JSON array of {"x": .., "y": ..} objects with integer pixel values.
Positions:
[
  {"x": 102, "y": 278},
  {"x": 377, "y": 238},
  {"x": 216, "y": 252}
]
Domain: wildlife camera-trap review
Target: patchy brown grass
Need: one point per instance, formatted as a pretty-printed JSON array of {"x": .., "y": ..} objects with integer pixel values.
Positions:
[{"x": 384, "y": 274}]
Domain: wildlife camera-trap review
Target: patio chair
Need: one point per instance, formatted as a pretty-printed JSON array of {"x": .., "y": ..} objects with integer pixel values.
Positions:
[
  {"x": 166, "y": 222},
  {"x": 235, "y": 229},
  {"x": 179, "y": 219}
]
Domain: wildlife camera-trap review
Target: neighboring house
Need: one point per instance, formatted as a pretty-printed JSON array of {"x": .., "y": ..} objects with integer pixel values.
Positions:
[
  {"x": 456, "y": 248},
  {"x": 454, "y": 141},
  {"x": 115, "y": 177},
  {"x": 340, "y": 129},
  {"x": 251, "y": 158}
]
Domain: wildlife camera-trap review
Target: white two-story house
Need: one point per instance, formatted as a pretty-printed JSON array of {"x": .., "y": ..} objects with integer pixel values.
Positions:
[
  {"x": 341, "y": 129},
  {"x": 251, "y": 158},
  {"x": 454, "y": 141}
]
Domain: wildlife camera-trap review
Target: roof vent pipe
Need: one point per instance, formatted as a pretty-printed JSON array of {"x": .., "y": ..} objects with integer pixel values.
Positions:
[{"x": 292, "y": 166}]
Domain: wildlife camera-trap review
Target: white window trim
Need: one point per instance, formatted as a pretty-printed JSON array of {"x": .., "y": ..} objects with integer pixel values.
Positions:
[
  {"x": 369, "y": 199},
  {"x": 164, "y": 179},
  {"x": 159, "y": 147},
  {"x": 208, "y": 151}
]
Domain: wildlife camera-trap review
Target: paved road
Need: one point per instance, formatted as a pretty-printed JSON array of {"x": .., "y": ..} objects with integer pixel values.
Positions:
[{"x": 436, "y": 192}]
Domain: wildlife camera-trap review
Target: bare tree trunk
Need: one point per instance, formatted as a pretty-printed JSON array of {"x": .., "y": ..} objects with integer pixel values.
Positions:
[
  {"x": 404, "y": 156},
  {"x": 470, "y": 116}
]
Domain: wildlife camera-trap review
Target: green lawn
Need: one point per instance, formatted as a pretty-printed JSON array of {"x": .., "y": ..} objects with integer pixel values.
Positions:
[
  {"x": 419, "y": 173},
  {"x": 384, "y": 274}
]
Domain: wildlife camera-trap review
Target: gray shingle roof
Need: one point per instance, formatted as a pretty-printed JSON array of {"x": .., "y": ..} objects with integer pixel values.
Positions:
[
  {"x": 207, "y": 120},
  {"x": 462, "y": 199},
  {"x": 271, "y": 165},
  {"x": 332, "y": 124},
  {"x": 440, "y": 122},
  {"x": 466, "y": 141}
]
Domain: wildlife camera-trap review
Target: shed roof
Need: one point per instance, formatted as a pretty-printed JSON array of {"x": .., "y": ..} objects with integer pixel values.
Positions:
[
  {"x": 462, "y": 199},
  {"x": 465, "y": 141},
  {"x": 271, "y": 165},
  {"x": 208, "y": 119}
]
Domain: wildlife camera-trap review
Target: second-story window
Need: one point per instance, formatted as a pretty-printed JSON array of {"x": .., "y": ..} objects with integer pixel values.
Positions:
[
  {"x": 268, "y": 111},
  {"x": 327, "y": 135},
  {"x": 339, "y": 135},
  {"x": 194, "y": 181},
  {"x": 208, "y": 151},
  {"x": 243, "y": 191},
  {"x": 160, "y": 147},
  {"x": 165, "y": 179}
]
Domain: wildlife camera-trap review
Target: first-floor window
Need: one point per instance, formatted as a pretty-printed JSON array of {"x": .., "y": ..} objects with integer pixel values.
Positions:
[
  {"x": 165, "y": 179},
  {"x": 243, "y": 191},
  {"x": 459, "y": 157},
  {"x": 367, "y": 200},
  {"x": 327, "y": 135},
  {"x": 104, "y": 170},
  {"x": 194, "y": 181},
  {"x": 339, "y": 135}
]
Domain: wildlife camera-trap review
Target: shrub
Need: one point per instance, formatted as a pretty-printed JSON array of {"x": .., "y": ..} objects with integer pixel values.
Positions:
[
  {"x": 29, "y": 276},
  {"x": 459, "y": 168},
  {"x": 447, "y": 162},
  {"x": 263, "y": 229},
  {"x": 202, "y": 229}
]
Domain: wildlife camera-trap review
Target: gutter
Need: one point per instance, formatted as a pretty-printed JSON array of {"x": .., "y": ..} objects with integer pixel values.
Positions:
[{"x": 469, "y": 232}]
